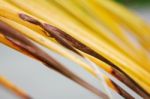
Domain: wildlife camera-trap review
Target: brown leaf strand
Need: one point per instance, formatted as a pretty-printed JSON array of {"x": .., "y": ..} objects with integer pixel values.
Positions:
[
  {"x": 117, "y": 72},
  {"x": 22, "y": 41}
]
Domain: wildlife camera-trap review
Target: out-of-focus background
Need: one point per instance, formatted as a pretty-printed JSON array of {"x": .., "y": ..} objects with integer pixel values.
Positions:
[
  {"x": 134, "y": 2},
  {"x": 43, "y": 83}
]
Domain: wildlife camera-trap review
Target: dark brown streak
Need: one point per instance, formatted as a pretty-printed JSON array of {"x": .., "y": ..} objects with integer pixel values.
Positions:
[
  {"x": 61, "y": 36},
  {"x": 117, "y": 72},
  {"x": 29, "y": 19},
  {"x": 23, "y": 42},
  {"x": 57, "y": 34},
  {"x": 65, "y": 39},
  {"x": 54, "y": 34}
]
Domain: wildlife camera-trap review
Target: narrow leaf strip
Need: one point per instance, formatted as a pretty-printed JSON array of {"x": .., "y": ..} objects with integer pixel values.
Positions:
[{"x": 13, "y": 88}]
